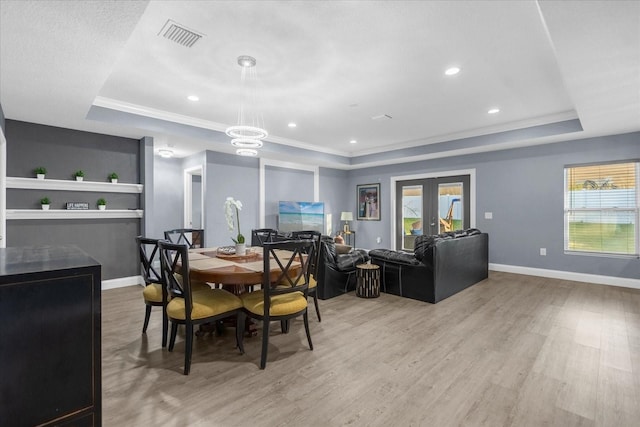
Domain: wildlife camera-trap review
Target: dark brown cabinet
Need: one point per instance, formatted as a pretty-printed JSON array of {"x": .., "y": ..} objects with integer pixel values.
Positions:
[{"x": 50, "y": 332}]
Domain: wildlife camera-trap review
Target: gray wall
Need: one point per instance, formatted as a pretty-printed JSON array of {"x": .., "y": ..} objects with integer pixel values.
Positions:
[
  {"x": 337, "y": 196},
  {"x": 62, "y": 152},
  {"x": 229, "y": 175},
  {"x": 523, "y": 188},
  {"x": 284, "y": 184},
  {"x": 168, "y": 200}
]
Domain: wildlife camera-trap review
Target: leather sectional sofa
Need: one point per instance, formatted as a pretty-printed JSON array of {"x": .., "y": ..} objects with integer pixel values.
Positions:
[{"x": 441, "y": 265}]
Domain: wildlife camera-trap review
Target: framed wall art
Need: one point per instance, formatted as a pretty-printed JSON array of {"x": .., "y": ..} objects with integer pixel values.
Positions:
[{"x": 368, "y": 196}]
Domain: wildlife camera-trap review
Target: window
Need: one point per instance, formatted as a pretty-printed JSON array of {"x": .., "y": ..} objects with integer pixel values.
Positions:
[{"x": 601, "y": 208}]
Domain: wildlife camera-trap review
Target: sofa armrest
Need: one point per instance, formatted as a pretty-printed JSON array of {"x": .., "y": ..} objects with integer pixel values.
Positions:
[{"x": 348, "y": 262}]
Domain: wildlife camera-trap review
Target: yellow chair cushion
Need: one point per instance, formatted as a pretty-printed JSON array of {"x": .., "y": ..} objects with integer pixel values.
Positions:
[
  {"x": 152, "y": 292},
  {"x": 312, "y": 282},
  {"x": 281, "y": 305},
  {"x": 205, "y": 304}
]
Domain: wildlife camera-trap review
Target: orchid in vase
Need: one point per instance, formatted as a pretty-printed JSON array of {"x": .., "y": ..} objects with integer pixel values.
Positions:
[{"x": 229, "y": 206}]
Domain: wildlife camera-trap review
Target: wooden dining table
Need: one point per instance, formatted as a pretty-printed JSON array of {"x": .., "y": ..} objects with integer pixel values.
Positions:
[{"x": 235, "y": 273}]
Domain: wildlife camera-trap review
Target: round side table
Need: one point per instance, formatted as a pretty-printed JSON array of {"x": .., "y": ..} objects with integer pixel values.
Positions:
[{"x": 368, "y": 281}]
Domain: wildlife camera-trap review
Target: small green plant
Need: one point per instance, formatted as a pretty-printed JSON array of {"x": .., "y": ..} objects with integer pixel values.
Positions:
[
  {"x": 79, "y": 173},
  {"x": 113, "y": 175},
  {"x": 102, "y": 202},
  {"x": 40, "y": 170},
  {"x": 45, "y": 201}
]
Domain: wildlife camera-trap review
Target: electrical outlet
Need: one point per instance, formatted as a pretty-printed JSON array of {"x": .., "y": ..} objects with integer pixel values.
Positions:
[
  {"x": 488, "y": 215},
  {"x": 378, "y": 239},
  {"x": 543, "y": 251}
]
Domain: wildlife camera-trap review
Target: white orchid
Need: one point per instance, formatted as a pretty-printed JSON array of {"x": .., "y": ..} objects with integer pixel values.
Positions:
[{"x": 229, "y": 204}]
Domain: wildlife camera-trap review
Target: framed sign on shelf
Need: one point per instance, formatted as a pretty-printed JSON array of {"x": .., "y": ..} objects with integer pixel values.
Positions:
[{"x": 368, "y": 196}]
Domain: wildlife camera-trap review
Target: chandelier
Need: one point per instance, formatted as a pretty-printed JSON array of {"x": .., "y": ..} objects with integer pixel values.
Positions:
[{"x": 249, "y": 132}]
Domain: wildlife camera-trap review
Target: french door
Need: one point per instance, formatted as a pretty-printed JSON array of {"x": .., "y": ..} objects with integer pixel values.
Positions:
[{"x": 430, "y": 206}]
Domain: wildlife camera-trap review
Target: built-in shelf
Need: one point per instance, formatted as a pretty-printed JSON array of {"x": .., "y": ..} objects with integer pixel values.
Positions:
[
  {"x": 72, "y": 214},
  {"x": 69, "y": 185}
]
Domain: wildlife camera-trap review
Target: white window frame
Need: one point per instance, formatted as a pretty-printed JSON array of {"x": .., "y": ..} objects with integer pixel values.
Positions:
[{"x": 568, "y": 210}]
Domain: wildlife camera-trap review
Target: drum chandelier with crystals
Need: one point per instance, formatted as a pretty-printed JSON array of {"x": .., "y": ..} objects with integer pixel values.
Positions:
[{"x": 249, "y": 132}]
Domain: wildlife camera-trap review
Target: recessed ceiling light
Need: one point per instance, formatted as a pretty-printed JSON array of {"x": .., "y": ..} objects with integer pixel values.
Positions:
[
  {"x": 193, "y": 98},
  {"x": 353, "y": 141},
  {"x": 165, "y": 152},
  {"x": 452, "y": 71},
  {"x": 494, "y": 111},
  {"x": 292, "y": 125}
]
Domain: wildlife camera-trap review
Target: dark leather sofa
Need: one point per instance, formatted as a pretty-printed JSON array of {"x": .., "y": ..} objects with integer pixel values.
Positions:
[
  {"x": 337, "y": 272},
  {"x": 441, "y": 265}
]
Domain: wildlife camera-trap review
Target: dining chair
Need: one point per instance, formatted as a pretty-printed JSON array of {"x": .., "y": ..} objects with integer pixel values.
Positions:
[
  {"x": 291, "y": 260},
  {"x": 262, "y": 235},
  {"x": 152, "y": 292},
  {"x": 316, "y": 236},
  {"x": 193, "y": 237},
  {"x": 190, "y": 307}
]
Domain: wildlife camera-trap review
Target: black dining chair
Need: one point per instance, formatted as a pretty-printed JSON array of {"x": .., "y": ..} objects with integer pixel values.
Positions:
[
  {"x": 190, "y": 307},
  {"x": 152, "y": 292},
  {"x": 316, "y": 236},
  {"x": 193, "y": 237},
  {"x": 283, "y": 302}
]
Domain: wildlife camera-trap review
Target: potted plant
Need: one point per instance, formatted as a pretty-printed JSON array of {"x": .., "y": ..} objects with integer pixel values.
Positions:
[
  {"x": 79, "y": 175},
  {"x": 45, "y": 203},
  {"x": 102, "y": 204},
  {"x": 229, "y": 206},
  {"x": 113, "y": 177},
  {"x": 40, "y": 172}
]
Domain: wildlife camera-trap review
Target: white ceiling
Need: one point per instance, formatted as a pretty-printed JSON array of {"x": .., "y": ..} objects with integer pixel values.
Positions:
[{"x": 327, "y": 66}]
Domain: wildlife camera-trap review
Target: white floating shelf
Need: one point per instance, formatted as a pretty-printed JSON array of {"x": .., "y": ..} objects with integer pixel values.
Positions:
[
  {"x": 69, "y": 185},
  {"x": 72, "y": 214}
]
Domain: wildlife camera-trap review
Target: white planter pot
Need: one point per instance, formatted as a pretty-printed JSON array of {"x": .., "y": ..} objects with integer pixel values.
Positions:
[
  {"x": 114, "y": 181},
  {"x": 241, "y": 249},
  {"x": 40, "y": 176},
  {"x": 79, "y": 178},
  {"x": 45, "y": 207},
  {"x": 102, "y": 207}
]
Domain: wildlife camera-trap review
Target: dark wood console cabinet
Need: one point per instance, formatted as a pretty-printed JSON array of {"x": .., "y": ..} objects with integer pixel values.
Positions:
[{"x": 50, "y": 352}]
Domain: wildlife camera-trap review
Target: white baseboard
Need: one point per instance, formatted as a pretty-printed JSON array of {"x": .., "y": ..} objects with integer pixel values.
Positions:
[
  {"x": 568, "y": 275},
  {"x": 122, "y": 282}
]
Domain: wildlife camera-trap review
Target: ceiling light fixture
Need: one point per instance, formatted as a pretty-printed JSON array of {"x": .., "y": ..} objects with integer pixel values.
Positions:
[
  {"x": 493, "y": 111},
  {"x": 193, "y": 98},
  {"x": 353, "y": 141},
  {"x": 452, "y": 71},
  {"x": 165, "y": 152},
  {"x": 249, "y": 131},
  {"x": 248, "y": 152},
  {"x": 292, "y": 125}
]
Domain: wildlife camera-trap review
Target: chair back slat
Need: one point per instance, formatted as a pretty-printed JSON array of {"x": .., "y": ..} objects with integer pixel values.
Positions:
[
  {"x": 316, "y": 236},
  {"x": 192, "y": 237},
  {"x": 259, "y": 236},
  {"x": 148, "y": 250},
  {"x": 287, "y": 255},
  {"x": 174, "y": 259}
]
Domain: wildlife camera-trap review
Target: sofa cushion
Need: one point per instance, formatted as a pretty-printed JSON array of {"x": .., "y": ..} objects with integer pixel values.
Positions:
[{"x": 387, "y": 255}]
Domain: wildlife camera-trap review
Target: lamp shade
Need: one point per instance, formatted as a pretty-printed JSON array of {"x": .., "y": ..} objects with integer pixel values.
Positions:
[{"x": 346, "y": 216}]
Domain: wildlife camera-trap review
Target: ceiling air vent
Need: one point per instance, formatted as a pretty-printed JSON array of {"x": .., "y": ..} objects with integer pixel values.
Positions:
[{"x": 179, "y": 34}]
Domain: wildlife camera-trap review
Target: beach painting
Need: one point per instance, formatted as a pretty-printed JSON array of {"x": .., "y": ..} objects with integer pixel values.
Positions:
[{"x": 298, "y": 216}]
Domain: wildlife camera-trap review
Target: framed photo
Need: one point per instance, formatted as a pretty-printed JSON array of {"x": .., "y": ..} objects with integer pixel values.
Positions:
[{"x": 368, "y": 202}]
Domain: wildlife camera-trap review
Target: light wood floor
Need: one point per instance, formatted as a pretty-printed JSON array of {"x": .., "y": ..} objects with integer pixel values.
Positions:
[{"x": 510, "y": 351}]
